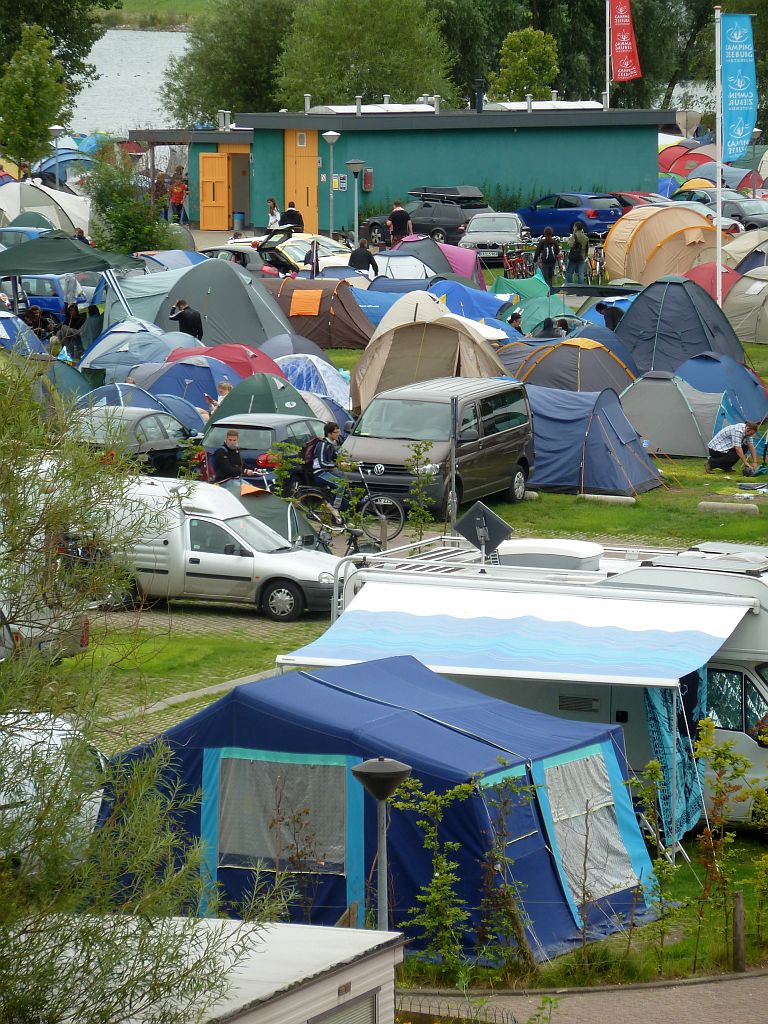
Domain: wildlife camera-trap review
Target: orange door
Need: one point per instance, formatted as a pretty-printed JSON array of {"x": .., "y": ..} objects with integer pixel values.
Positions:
[
  {"x": 214, "y": 192},
  {"x": 300, "y": 175}
]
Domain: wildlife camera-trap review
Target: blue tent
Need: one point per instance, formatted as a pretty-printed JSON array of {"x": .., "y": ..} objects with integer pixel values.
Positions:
[
  {"x": 124, "y": 344},
  {"x": 590, "y": 314},
  {"x": 757, "y": 258},
  {"x": 713, "y": 372},
  {"x": 192, "y": 378},
  {"x": 401, "y": 285},
  {"x": 469, "y": 302},
  {"x": 672, "y": 320},
  {"x": 599, "y": 332},
  {"x": 308, "y": 373},
  {"x": 17, "y": 337},
  {"x": 586, "y": 445},
  {"x": 120, "y": 394},
  {"x": 667, "y": 185},
  {"x": 171, "y": 259},
  {"x": 295, "y": 738},
  {"x": 184, "y": 412},
  {"x": 327, "y": 410},
  {"x": 374, "y": 303}
]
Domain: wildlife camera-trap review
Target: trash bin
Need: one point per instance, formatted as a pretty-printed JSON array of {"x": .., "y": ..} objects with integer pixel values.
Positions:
[{"x": 238, "y": 220}]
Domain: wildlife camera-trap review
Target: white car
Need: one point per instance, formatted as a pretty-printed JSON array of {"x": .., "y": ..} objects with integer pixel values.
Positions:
[{"x": 728, "y": 224}]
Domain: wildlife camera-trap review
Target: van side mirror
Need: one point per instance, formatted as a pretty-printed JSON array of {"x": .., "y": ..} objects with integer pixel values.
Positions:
[
  {"x": 349, "y": 426},
  {"x": 470, "y": 434}
]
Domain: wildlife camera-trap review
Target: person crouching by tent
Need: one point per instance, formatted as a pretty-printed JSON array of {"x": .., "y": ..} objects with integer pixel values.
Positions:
[
  {"x": 546, "y": 255},
  {"x": 728, "y": 447}
]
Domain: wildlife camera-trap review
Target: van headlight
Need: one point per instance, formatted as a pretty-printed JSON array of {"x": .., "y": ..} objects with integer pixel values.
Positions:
[
  {"x": 430, "y": 469},
  {"x": 325, "y": 577}
]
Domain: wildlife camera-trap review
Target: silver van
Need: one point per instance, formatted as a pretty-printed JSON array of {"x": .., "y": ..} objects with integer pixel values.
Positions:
[{"x": 494, "y": 438}]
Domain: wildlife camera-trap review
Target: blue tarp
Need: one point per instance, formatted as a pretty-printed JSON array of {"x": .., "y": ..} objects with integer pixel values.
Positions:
[
  {"x": 715, "y": 373},
  {"x": 305, "y": 731},
  {"x": 585, "y": 444},
  {"x": 672, "y": 320}
]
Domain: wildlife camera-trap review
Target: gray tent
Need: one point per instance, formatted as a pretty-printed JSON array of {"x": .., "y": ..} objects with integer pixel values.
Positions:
[
  {"x": 746, "y": 306},
  {"x": 671, "y": 416},
  {"x": 234, "y": 307},
  {"x": 144, "y": 293}
]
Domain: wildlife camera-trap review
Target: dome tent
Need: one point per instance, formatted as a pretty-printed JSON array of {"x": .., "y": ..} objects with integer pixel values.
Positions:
[
  {"x": 741, "y": 246},
  {"x": 650, "y": 241},
  {"x": 262, "y": 392},
  {"x": 192, "y": 378},
  {"x": 128, "y": 342},
  {"x": 17, "y": 337},
  {"x": 746, "y": 306},
  {"x": 611, "y": 340},
  {"x": 585, "y": 445},
  {"x": 418, "y": 340},
  {"x": 672, "y": 320},
  {"x": 289, "y": 343},
  {"x": 326, "y": 312},
  {"x": 573, "y": 364},
  {"x": 308, "y": 373},
  {"x": 674, "y": 418},
  {"x": 120, "y": 394},
  {"x": 244, "y": 359},
  {"x": 705, "y": 276},
  {"x": 715, "y": 373}
]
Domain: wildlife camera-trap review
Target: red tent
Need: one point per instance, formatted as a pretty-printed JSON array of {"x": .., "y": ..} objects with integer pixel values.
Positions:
[
  {"x": 687, "y": 163},
  {"x": 668, "y": 156},
  {"x": 243, "y": 359},
  {"x": 705, "y": 275}
]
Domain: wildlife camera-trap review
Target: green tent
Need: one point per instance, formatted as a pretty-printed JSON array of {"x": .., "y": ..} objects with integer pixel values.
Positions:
[
  {"x": 68, "y": 381},
  {"x": 59, "y": 253},
  {"x": 284, "y": 517},
  {"x": 535, "y": 311},
  {"x": 262, "y": 392},
  {"x": 526, "y": 287},
  {"x": 31, "y": 219}
]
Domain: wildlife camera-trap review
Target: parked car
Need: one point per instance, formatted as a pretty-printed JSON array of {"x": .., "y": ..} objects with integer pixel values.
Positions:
[
  {"x": 440, "y": 212},
  {"x": 728, "y": 224},
  {"x": 200, "y": 544},
  {"x": 494, "y": 450},
  {"x": 598, "y": 212},
  {"x": 752, "y": 213},
  {"x": 258, "y": 434},
  {"x": 707, "y": 196},
  {"x": 630, "y": 199},
  {"x": 490, "y": 233},
  {"x": 47, "y": 292},
  {"x": 10, "y": 236},
  {"x": 242, "y": 253},
  {"x": 156, "y": 439},
  {"x": 286, "y": 250}
]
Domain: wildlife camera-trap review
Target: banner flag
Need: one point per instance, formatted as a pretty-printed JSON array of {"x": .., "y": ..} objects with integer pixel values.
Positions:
[
  {"x": 625, "y": 63},
  {"x": 739, "y": 85}
]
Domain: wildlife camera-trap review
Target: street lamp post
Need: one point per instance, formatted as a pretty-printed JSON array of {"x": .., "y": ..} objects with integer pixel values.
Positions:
[
  {"x": 56, "y": 131},
  {"x": 756, "y": 133},
  {"x": 355, "y": 166},
  {"x": 331, "y": 137},
  {"x": 380, "y": 777}
]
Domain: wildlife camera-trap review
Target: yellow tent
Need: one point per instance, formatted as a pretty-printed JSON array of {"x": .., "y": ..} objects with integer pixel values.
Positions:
[
  {"x": 697, "y": 183},
  {"x": 650, "y": 242}
]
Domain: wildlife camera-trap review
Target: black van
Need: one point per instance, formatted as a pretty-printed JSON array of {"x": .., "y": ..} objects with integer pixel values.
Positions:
[{"x": 494, "y": 438}]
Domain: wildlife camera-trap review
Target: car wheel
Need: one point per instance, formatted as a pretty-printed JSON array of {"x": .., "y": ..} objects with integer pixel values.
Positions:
[
  {"x": 438, "y": 235},
  {"x": 282, "y": 601},
  {"x": 375, "y": 234},
  {"x": 517, "y": 484}
]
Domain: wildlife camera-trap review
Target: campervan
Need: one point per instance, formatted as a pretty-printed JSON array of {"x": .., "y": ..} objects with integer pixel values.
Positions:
[
  {"x": 631, "y": 638},
  {"x": 198, "y": 542}
]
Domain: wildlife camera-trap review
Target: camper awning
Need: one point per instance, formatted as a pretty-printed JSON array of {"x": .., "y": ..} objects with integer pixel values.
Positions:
[{"x": 589, "y": 637}]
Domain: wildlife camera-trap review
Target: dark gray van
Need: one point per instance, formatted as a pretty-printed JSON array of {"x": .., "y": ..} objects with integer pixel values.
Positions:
[{"x": 494, "y": 449}]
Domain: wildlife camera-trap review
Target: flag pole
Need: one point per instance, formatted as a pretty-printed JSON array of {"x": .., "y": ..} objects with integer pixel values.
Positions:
[
  {"x": 719, "y": 155},
  {"x": 607, "y": 53}
]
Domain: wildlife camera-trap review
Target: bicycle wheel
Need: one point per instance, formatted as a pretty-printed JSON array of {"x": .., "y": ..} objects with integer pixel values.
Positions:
[
  {"x": 380, "y": 516},
  {"x": 315, "y": 506}
]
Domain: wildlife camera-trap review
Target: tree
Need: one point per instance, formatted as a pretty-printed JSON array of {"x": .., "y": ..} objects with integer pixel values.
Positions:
[
  {"x": 124, "y": 217},
  {"x": 73, "y": 25},
  {"x": 338, "y": 52},
  {"x": 528, "y": 65},
  {"x": 229, "y": 61},
  {"x": 32, "y": 97},
  {"x": 87, "y": 928}
]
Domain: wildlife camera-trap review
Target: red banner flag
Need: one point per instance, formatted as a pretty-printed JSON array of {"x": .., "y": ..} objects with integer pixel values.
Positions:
[{"x": 625, "y": 63}]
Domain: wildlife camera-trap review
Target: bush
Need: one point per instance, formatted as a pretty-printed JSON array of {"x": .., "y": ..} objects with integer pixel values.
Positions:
[{"x": 125, "y": 218}]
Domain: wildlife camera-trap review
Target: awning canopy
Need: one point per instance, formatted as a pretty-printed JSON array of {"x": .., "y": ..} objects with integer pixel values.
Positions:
[
  {"x": 527, "y": 634},
  {"x": 59, "y": 253}
]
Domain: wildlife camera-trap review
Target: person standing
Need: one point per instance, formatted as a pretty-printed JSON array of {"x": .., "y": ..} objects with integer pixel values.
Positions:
[
  {"x": 728, "y": 446},
  {"x": 546, "y": 255},
  {"x": 188, "y": 319},
  {"x": 292, "y": 218},
  {"x": 177, "y": 194},
  {"x": 399, "y": 223},
  {"x": 578, "y": 251},
  {"x": 273, "y": 214},
  {"x": 362, "y": 259}
]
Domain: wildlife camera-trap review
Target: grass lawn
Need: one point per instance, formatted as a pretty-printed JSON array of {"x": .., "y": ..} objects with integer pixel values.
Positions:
[{"x": 154, "y": 13}]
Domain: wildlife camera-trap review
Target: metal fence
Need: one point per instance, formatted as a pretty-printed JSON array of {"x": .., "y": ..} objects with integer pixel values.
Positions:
[{"x": 452, "y": 1009}]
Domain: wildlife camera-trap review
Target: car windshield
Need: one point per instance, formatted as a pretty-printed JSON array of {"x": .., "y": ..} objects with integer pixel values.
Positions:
[
  {"x": 97, "y": 428},
  {"x": 261, "y": 537},
  {"x": 483, "y": 222},
  {"x": 754, "y": 205},
  {"x": 402, "y": 420},
  {"x": 250, "y": 438}
]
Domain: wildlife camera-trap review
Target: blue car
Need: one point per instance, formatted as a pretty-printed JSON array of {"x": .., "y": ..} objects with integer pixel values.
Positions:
[
  {"x": 11, "y": 236},
  {"x": 47, "y": 292},
  {"x": 597, "y": 212}
]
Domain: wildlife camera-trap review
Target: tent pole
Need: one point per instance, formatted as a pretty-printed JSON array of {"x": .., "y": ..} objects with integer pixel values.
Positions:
[
  {"x": 111, "y": 279},
  {"x": 674, "y": 772},
  {"x": 719, "y": 153},
  {"x": 15, "y": 291}
]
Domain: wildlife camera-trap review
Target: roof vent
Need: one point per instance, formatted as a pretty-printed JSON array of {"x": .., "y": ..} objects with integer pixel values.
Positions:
[
  {"x": 554, "y": 95},
  {"x": 307, "y": 101},
  {"x": 225, "y": 120},
  {"x": 387, "y": 97},
  {"x": 436, "y": 104},
  {"x": 529, "y": 101},
  {"x": 359, "y": 106}
]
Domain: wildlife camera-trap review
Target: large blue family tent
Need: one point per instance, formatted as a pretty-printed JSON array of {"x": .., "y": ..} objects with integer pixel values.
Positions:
[
  {"x": 715, "y": 373},
  {"x": 672, "y": 320},
  {"x": 586, "y": 445},
  {"x": 192, "y": 378},
  {"x": 470, "y": 302},
  {"x": 279, "y": 750}
]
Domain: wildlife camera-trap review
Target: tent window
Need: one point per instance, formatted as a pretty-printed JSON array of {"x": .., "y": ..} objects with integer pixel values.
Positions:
[
  {"x": 282, "y": 815},
  {"x": 625, "y": 432},
  {"x": 306, "y": 303},
  {"x": 592, "y": 852}
]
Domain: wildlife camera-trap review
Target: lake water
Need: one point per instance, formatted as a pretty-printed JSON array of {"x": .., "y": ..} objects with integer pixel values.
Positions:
[{"x": 127, "y": 95}]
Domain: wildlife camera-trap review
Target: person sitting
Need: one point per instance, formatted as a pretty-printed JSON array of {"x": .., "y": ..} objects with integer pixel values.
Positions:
[
  {"x": 728, "y": 446},
  {"x": 292, "y": 218},
  {"x": 325, "y": 455},
  {"x": 41, "y": 324},
  {"x": 227, "y": 460},
  {"x": 223, "y": 388}
]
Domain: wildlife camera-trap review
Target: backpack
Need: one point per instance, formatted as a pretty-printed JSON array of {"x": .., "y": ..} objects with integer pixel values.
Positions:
[
  {"x": 549, "y": 254},
  {"x": 576, "y": 254},
  {"x": 307, "y": 452}
]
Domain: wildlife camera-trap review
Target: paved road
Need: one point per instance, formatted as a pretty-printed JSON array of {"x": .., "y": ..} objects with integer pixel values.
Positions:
[{"x": 731, "y": 1000}]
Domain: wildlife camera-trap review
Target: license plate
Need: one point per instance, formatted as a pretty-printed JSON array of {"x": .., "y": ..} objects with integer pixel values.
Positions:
[{"x": 488, "y": 252}]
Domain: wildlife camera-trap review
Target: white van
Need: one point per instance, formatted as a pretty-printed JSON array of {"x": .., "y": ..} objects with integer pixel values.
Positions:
[{"x": 201, "y": 544}]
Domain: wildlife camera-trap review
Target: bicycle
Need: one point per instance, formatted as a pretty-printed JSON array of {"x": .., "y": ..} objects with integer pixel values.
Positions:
[
  {"x": 518, "y": 263},
  {"x": 381, "y": 517},
  {"x": 596, "y": 266}
]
